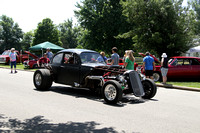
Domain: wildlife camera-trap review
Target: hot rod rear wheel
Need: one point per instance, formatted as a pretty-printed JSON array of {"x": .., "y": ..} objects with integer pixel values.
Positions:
[
  {"x": 150, "y": 88},
  {"x": 112, "y": 92},
  {"x": 42, "y": 79}
]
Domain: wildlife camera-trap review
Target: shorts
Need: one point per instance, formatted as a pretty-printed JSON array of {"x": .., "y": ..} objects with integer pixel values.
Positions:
[
  {"x": 164, "y": 71},
  {"x": 149, "y": 72},
  {"x": 13, "y": 63}
]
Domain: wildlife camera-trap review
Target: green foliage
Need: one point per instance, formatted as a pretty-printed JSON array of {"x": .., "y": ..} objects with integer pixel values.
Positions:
[
  {"x": 10, "y": 33},
  {"x": 196, "y": 7},
  {"x": 68, "y": 34},
  {"x": 159, "y": 25},
  {"x": 46, "y": 31},
  {"x": 27, "y": 40},
  {"x": 102, "y": 21}
]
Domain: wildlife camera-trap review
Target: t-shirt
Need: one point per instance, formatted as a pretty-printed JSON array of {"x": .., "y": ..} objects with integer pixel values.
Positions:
[
  {"x": 49, "y": 55},
  {"x": 130, "y": 64},
  {"x": 12, "y": 56},
  {"x": 165, "y": 63},
  {"x": 100, "y": 59},
  {"x": 115, "y": 57},
  {"x": 44, "y": 60},
  {"x": 148, "y": 62}
]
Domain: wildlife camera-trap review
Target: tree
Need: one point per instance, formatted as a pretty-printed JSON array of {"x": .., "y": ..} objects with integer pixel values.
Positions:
[
  {"x": 46, "y": 31},
  {"x": 68, "y": 34},
  {"x": 27, "y": 40},
  {"x": 102, "y": 21},
  {"x": 10, "y": 33},
  {"x": 160, "y": 25},
  {"x": 196, "y": 7}
]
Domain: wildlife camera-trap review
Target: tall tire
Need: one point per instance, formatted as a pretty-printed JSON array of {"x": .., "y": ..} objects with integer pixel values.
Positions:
[
  {"x": 112, "y": 92},
  {"x": 42, "y": 79},
  {"x": 157, "y": 76},
  {"x": 150, "y": 88}
]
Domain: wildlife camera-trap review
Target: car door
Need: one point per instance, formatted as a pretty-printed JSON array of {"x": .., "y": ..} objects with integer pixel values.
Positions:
[
  {"x": 179, "y": 68},
  {"x": 69, "y": 69},
  {"x": 195, "y": 68},
  {"x": 56, "y": 65}
]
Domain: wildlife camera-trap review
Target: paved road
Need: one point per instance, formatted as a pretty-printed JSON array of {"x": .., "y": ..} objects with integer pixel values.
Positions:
[{"x": 63, "y": 109}]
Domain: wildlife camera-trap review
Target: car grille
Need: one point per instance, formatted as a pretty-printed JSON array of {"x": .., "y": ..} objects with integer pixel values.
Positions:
[
  {"x": 136, "y": 84},
  {"x": 2, "y": 60}
]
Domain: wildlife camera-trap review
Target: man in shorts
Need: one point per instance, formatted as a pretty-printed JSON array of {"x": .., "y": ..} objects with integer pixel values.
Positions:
[{"x": 148, "y": 65}]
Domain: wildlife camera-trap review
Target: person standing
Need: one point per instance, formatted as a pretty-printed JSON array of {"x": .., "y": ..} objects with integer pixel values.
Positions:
[
  {"x": 148, "y": 65},
  {"x": 114, "y": 57},
  {"x": 104, "y": 59},
  {"x": 164, "y": 67},
  {"x": 13, "y": 59},
  {"x": 49, "y": 54},
  {"x": 129, "y": 60}
]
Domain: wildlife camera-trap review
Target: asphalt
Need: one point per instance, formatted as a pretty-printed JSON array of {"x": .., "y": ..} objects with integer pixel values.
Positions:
[{"x": 158, "y": 84}]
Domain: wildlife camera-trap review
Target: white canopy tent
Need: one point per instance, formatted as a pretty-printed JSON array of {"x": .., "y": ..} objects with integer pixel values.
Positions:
[
  {"x": 194, "y": 52},
  {"x": 194, "y": 49}
]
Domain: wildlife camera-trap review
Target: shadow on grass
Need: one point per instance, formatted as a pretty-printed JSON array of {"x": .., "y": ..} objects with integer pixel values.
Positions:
[{"x": 38, "y": 124}]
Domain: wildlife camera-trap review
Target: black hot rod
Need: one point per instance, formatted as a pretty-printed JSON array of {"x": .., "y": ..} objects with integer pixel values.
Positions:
[{"x": 87, "y": 69}]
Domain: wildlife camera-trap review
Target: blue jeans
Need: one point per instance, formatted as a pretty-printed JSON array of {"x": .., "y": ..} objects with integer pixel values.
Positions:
[{"x": 13, "y": 63}]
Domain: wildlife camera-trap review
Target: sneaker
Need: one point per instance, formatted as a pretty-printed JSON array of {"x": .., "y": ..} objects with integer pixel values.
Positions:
[
  {"x": 11, "y": 72},
  {"x": 15, "y": 71}
]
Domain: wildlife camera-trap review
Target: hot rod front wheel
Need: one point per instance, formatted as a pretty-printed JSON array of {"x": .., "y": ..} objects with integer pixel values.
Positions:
[
  {"x": 112, "y": 92},
  {"x": 150, "y": 88}
]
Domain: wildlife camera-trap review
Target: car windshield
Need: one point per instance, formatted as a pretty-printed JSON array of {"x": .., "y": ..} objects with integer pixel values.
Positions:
[
  {"x": 89, "y": 57},
  {"x": 6, "y": 53}
]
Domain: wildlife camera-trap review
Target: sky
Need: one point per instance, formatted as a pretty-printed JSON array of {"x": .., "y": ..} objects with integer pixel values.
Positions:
[{"x": 28, "y": 13}]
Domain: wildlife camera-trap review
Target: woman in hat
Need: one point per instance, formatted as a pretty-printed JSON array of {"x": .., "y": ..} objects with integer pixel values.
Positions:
[
  {"x": 164, "y": 67},
  {"x": 12, "y": 56}
]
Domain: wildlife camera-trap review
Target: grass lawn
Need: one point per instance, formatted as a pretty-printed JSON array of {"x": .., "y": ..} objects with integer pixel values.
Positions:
[
  {"x": 187, "y": 84},
  {"x": 19, "y": 66}
]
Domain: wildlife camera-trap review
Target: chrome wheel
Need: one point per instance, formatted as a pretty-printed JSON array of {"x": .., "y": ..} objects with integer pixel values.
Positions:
[
  {"x": 110, "y": 92},
  {"x": 38, "y": 79},
  {"x": 156, "y": 76}
]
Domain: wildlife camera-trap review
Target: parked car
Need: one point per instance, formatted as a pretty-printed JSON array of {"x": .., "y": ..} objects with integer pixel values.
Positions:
[
  {"x": 32, "y": 60},
  {"x": 4, "y": 57},
  {"x": 121, "y": 63},
  {"x": 180, "y": 67},
  {"x": 80, "y": 68}
]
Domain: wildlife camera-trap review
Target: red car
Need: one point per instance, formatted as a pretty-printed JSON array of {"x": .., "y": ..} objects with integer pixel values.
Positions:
[
  {"x": 121, "y": 63},
  {"x": 32, "y": 61},
  {"x": 4, "y": 58},
  {"x": 180, "y": 67}
]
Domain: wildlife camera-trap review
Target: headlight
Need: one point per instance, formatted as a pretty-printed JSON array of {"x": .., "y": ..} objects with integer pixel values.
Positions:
[
  {"x": 142, "y": 76},
  {"x": 121, "y": 79}
]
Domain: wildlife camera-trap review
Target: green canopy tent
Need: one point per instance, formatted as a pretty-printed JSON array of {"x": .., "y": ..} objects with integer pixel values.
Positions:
[{"x": 44, "y": 46}]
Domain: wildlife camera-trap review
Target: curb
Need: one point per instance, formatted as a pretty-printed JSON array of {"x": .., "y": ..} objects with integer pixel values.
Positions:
[{"x": 178, "y": 87}]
